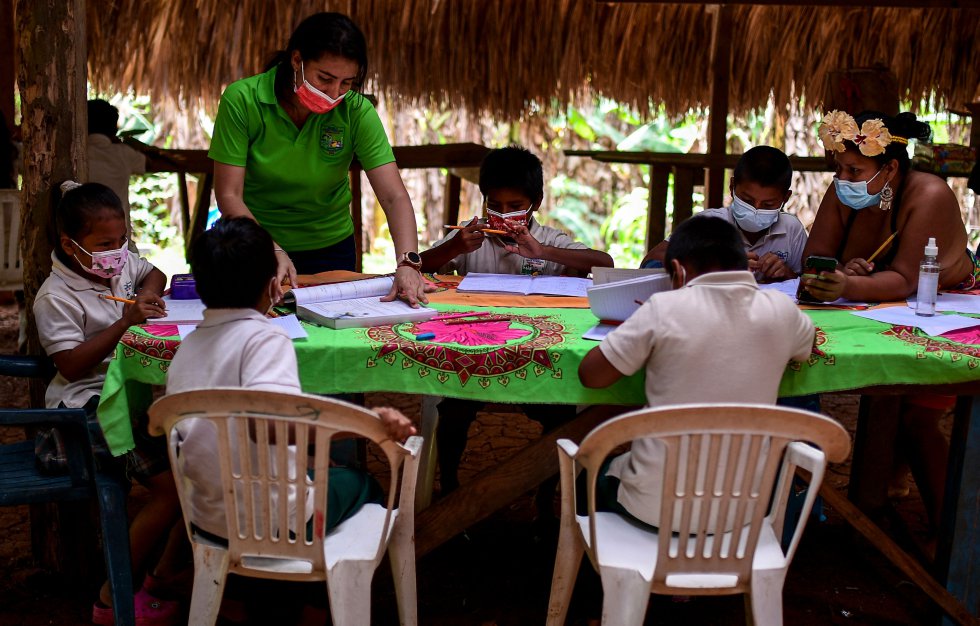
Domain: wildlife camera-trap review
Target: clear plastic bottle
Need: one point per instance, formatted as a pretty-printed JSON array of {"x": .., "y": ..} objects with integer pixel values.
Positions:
[{"x": 925, "y": 297}]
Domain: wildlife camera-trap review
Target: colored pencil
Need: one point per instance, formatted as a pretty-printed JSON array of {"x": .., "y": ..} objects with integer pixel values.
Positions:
[
  {"x": 452, "y": 316},
  {"x": 485, "y": 230},
  {"x": 115, "y": 299},
  {"x": 482, "y": 320},
  {"x": 882, "y": 246}
]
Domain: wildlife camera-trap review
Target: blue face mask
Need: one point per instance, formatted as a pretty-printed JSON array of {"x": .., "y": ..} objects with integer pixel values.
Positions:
[
  {"x": 855, "y": 194},
  {"x": 751, "y": 219}
]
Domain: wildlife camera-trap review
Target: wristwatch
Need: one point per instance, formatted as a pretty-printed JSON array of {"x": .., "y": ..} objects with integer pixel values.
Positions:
[{"x": 410, "y": 259}]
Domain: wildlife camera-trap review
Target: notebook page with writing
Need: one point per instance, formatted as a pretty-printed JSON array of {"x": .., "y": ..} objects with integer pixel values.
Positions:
[
  {"x": 604, "y": 275},
  {"x": 180, "y": 312},
  {"x": 496, "y": 283},
  {"x": 379, "y": 286},
  {"x": 361, "y": 312},
  {"x": 559, "y": 286}
]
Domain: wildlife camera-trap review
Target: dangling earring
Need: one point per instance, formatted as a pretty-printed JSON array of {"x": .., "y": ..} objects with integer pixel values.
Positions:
[{"x": 887, "y": 196}]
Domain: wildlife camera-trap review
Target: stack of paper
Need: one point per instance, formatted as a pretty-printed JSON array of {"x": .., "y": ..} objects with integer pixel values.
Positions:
[{"x": 354, "y": 304}]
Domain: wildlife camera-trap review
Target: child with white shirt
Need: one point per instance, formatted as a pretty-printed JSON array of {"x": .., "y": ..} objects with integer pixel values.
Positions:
[
  {"x": 234, "y": 267},
  {"x": 716, "y": 337},
  {"x": 79, "y": 329}
]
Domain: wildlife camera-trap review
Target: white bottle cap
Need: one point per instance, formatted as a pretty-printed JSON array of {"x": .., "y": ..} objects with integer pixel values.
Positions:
[{"x": 931, "y": 249}]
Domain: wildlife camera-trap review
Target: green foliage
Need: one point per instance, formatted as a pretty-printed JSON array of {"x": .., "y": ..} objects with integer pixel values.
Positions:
[{"x": 149, "y": 212}]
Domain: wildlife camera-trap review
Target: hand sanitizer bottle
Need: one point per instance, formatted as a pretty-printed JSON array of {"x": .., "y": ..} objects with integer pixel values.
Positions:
[{"x": 925, "y": 297}]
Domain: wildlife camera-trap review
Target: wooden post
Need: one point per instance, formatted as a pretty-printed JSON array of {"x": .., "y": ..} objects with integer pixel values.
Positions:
[
  {"x": 721, "y": 69},
  {"x": 8, "y": 61},
  {"x": 450, "y": 204},
  {"x": 657, "y": 209},
  {"x": 683, "y": 194},
  {"x": 52, "y": 82},
  {"x": 357, "y": 215}
]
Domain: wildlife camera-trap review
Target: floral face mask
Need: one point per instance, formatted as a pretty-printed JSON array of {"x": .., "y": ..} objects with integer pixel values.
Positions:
[{"x": 106, "y": 264}]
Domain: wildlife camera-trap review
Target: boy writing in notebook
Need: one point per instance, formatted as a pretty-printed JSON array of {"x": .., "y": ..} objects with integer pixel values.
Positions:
[
  {"x": 773, "y": 239},
  {"x": 512, "y": 184},
  {"x": 234, "y": 267},
  {"x": 716, "y": 337}
]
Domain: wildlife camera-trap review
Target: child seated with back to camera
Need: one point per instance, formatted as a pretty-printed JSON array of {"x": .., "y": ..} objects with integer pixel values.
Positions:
[
  {"x": 512, "y": 184},
  {"x": 234, "y": 266},
  {"x": 79, "y": 329},
  {"x": 716, "y": 337}
]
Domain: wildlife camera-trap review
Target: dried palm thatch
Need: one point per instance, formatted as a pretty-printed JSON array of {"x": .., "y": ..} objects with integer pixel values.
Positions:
[{"x": 511, "y": 57}]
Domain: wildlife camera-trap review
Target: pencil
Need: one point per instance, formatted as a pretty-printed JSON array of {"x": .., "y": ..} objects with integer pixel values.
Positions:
[
  {"x": 115, "y": 299},
  {"x": 483, "y": 320},
  {"x": 486, "y": 230},
  {"x": 882, "y": 246},
  {"x": 452, "y": 316}
]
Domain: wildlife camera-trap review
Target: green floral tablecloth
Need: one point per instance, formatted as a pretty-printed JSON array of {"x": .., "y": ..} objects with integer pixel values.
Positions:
[{"x": 533, "y": 357}]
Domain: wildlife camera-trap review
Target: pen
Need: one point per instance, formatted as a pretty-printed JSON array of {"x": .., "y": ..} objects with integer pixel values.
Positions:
[
  {"x": 486, "y": 230},
  {"x": 479, "y": 321},
  {"x": 115, "y": 299},
  {"x": 452, "y": 316},
  {"x": 640, "y": 302},
  {"x": 882, "y": 246}
]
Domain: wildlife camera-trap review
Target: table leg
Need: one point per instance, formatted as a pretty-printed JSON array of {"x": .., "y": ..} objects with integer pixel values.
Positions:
[
  {"x": 427, "y": 462},
  {"x": 958, "y": 549},
  {"x": 874, "y": 452},
  {"x": 502, "y": 484}
]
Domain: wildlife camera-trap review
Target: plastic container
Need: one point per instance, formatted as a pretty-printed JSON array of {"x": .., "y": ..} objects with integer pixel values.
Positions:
[
  {"x": 182, "y": 287},
  {"x": 925, "y": 296}
]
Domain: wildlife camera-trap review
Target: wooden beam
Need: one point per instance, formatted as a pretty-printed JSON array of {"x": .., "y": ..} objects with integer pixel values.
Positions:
[
  {"x": 450, "y": 210},
  {"x": 357, "y": 216},
  {"x": 721, "y": 70},
  {"x": 692, "y": 159},
  {"x": 657, "y": 208},
  {"x": 683, "y": 194},
  {"x": 8, "y": 62},
  {"x": 920, "y": 4}
]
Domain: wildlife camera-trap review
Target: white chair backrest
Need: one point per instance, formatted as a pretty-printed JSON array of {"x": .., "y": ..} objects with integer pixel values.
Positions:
[
  {"x": 249, "y": 422},
  {"x": 720, "y": 469},
  {"x": 11, "y": 265}
]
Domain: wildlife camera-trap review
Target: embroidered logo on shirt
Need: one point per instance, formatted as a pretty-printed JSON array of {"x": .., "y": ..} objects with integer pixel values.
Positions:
[
  {"x": 332, "y": 139},
  {"x": 532, "y": 266}
]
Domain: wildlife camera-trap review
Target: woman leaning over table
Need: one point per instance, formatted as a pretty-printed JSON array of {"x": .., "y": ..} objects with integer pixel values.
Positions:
[
  {"x": 283, "y": 144},
  {"x": 875, "y": 194}
]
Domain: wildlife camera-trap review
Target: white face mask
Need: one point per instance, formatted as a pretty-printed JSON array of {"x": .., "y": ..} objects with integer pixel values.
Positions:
[{"x": 751, "y": 219}]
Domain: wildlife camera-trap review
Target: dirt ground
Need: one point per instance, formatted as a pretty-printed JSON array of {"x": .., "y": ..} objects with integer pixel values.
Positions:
[{"x": 499, "y": 572}]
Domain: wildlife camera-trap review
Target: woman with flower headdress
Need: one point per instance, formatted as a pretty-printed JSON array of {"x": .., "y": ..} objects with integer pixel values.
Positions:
[{"x": 876, "y": 195}]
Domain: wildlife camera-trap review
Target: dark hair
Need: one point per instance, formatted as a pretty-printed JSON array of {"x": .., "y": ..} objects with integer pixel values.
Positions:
[
  {"x": 8, "y": 155},
  {"x": 902, "y": 125},
  {"x": 103, "y": 118},
  {"x": 232, "y": 263},
  {"x": 319, "y": 34},
  {"x": 708, "y": 244},
  {"x": 79, "y": 206},
  {"x": 512, "y": 167},
  {"x": 765, "y": 165}
]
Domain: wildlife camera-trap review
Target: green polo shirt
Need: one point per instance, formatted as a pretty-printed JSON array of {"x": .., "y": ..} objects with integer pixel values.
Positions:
[{"x": 296, "y": 180}]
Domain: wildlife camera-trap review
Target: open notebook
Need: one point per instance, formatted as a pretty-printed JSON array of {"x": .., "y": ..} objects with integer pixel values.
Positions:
[
  {"x": 524, "y": 285},
  {"x": 354, "y": 304},
  {"x": 613, "y": 302}
]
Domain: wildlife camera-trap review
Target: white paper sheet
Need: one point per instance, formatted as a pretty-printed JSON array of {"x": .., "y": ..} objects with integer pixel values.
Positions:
[
  {"x": 290, "y": 324},
  {"x": 789, "y": 287},
  {"x": 598, "y": 332},
  {"x": 523, "y": 284},
  {"x": 185, "y": 329},
  {"x": 904, "y": 316},
  {"x": 181, "y": 312},
  {"x": 958, "y": 302}
]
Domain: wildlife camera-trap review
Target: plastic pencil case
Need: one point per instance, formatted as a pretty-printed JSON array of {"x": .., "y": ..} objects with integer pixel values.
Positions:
[{"x": 182, "y": 287}]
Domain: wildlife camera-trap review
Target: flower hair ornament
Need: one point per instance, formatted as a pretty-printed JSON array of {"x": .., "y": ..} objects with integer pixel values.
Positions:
[{"x": 871, "y": 139}]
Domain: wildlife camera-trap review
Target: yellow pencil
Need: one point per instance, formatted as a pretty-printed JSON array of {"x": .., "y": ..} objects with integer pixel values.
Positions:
[
  {"x": 882, "y": 246},
  {"x": 486, "y": 230},
  {"x": 115, "y": 299}
]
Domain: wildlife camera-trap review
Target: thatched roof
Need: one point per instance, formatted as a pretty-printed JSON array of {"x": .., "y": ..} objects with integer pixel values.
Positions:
[{"x": 507, "y": 57}]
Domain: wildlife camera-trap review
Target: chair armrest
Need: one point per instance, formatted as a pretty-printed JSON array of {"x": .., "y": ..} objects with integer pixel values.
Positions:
[
  {"x": 413, "y": 445},
  {"x": 31, "y": 417},
  {"x": 26, "y": 366},
  {"x": 568, "y": 447}
]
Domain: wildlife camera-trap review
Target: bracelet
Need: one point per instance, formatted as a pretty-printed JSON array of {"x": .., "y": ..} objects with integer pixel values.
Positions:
[{"x": 278, "y": 249}]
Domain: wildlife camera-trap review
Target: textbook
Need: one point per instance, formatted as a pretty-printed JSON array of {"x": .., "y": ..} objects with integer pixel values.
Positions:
[
  {"x": 354, "y": 304},
  {"x": 524, "y": 285},
  {"x": 614, "y": 302},
  {"x": 603, "y": 275}
]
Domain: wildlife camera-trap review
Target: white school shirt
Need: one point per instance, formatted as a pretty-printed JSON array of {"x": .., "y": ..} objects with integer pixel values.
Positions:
[
  {"x": 786, "y": 238},
  {"x": 493, "y": 258},
  {"x": 230, "y": 348},
  {"x": 69, "y": 312},
  {"x": 717, "y": 339},
  {"x": 112, "y": 163}
]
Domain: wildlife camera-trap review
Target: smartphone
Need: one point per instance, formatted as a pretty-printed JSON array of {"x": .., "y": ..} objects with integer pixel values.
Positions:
[{"x": 814, "y": 265}]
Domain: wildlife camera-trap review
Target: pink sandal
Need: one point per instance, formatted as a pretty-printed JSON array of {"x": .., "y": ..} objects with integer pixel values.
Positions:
[{"x": 150, "y": 611}]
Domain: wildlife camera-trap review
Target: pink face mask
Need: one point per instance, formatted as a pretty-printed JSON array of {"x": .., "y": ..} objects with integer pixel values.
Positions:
[
  {"x": 108, "y": 264},
  {"x": 311, "y": 97}
]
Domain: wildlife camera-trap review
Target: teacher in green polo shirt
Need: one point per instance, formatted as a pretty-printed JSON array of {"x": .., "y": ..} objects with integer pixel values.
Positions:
[{"x": 283, "y": 144}]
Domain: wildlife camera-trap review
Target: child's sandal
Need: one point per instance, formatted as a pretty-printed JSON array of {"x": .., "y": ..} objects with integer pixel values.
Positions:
[{"x": 150, "y": 611}]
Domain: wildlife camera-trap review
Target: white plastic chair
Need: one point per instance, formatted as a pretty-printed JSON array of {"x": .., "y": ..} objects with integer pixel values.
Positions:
[
  {"x": 248, "y": 421},
  {"x": 725, "y": 462},
  {"x": 11, "y": 265}
]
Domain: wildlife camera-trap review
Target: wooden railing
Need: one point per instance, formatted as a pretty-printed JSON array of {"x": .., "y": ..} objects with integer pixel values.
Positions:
[
  {"x": 455, "y": 158},
  {"x": 688, "y": 171}
]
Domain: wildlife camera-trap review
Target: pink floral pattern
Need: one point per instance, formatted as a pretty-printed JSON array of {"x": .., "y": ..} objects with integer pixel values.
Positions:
[{"x": 484, "y": 334}]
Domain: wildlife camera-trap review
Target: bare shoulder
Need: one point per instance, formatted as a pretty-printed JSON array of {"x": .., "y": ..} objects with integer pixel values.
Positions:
[{"x": 925, "y": 187}]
